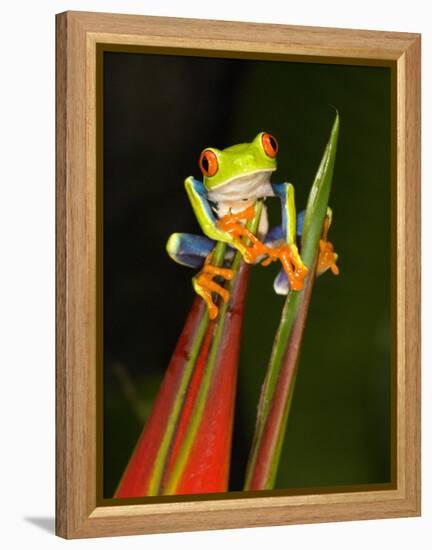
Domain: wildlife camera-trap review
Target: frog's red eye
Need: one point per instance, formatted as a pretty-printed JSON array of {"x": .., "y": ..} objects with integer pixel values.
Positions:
[
  {"x": 270, "y": 145},
  {"x": 208, "y": 163}
]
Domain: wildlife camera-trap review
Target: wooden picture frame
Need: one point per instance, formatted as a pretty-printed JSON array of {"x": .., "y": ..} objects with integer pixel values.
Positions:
[{"x": 78, "y": 512}]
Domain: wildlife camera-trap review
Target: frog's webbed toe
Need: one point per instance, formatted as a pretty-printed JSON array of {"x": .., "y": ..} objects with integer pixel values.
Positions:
[
  {"x": 327, "y": 258},
  {"x": 204, "y": 286}
]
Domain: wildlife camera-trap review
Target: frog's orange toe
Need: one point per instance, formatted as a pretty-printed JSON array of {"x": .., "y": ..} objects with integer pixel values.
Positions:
[
  {"x": 214, "y": 271},
  {"x": 213, "y": 311},
  {"x": 327, "y": 258},
  {"x": 204, "y": 286},
  {"x": 296, "y": 278},
  {"x": 233, "y": 222}
]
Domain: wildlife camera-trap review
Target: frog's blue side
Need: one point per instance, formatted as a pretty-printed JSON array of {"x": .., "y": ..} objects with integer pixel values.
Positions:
[{"x": 191, "y": 250}]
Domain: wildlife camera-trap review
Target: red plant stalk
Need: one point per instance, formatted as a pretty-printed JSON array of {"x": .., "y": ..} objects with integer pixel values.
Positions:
[
  {"x": 207, "y": 467},
  {"x": 185, "y": 446},
  {"x": 136, "y": 477}
]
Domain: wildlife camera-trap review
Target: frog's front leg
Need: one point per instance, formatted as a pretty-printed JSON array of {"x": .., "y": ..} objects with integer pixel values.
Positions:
[
  {"x": 196, "y": 251},
  {"x": 275, "y": 238},
  {"x": 327, "y": 257},
  {"x": 234, "y": 224},
  {"x": 229, "y": 229},
  {"x": 285, "y": 247}
]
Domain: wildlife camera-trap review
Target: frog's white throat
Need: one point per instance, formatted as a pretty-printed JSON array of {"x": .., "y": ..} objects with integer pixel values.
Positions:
[{"x": 240, "y": 192}]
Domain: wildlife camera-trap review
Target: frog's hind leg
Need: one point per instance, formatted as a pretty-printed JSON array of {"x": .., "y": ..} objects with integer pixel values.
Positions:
[
  {"x": 189, "y": 250},
  {"x": 196, "y": 251},
  {"x": 327, "y": 256},
  {"x": 275, "y": 237}
]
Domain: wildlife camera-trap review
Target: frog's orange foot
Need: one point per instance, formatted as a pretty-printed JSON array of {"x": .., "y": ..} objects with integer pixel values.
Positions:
[
  {"x": 231, "y": 222},
  {"x": 327, "y": 258},
  {"x": 291, "y": 262},
  {"x": 249, "y": 245},
  {"x": 252, "y": 253},
  {"x": 204, "y": 286},
  {"x": 294, "y": 267}
]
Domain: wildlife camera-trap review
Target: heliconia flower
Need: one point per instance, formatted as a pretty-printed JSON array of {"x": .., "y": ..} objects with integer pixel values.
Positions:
[{"x": 185, "y": 446}]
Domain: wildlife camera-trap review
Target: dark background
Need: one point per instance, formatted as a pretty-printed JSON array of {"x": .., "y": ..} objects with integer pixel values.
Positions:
[{"x": 159, "y": 113}]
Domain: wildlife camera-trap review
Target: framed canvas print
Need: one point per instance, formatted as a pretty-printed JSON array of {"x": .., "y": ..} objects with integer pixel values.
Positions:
[{"x": 238, "y": 274}]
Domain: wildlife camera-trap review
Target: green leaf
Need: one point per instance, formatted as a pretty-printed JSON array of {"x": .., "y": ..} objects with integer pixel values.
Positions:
[{"x": 276, "y": 394}]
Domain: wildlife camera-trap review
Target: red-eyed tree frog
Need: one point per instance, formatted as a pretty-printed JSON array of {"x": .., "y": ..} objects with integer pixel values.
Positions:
[{"x": 234, "y": 179}]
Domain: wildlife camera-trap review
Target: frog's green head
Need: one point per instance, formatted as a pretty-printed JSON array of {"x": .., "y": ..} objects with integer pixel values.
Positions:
[{"x": 240, "y": 171}]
